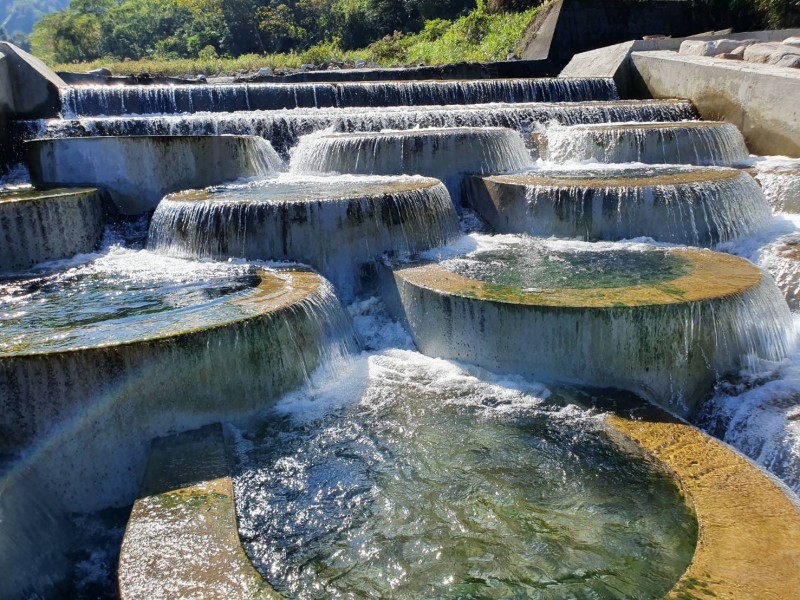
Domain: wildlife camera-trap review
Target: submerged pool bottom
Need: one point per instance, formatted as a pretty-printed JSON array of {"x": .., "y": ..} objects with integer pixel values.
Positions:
[
  {"x": 420, "y": 479},
  {"x": 533, "y": 264}
]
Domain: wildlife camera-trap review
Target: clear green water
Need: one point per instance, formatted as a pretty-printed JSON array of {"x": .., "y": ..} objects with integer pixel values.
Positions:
[
  {"x": 531, "y": 264},
  {"x": 122, "y": 296},
  {"x": 432, "y": 482}
]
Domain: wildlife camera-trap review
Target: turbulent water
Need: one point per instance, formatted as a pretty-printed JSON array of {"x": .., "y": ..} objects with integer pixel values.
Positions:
[
  {"x": 780, "y": 179},
  {"x": 283, "y": 128},
  {"x": 122, "y": 296},
  {"x": 107, "y": 100},
  {"x": 419, "y": 478}
]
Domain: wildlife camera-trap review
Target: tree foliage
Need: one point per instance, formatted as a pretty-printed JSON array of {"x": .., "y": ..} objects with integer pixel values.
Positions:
[
  {"x": 169, "y": 29},
  {"x": 135, "y": 29}
]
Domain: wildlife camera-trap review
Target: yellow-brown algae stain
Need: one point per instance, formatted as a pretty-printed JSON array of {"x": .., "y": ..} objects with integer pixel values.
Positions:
[{"x": 749, "y": 530}]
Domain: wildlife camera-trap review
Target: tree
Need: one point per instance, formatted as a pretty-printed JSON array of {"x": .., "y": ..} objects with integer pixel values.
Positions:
[{"x": 67, "y": 37}]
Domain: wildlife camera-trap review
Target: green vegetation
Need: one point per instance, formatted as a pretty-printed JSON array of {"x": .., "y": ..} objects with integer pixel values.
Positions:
[
  {"x": 480, "y": 35},
  {"x": 174, "y": 37},
  {"x": 173, "y": 29}
]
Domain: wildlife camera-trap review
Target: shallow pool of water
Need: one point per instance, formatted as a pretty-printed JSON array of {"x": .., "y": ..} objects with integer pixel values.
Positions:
[
  {"x": 120, "y": 296},
  {"x": 530, "y": 263},
  {"x": 419, "y": 479}
]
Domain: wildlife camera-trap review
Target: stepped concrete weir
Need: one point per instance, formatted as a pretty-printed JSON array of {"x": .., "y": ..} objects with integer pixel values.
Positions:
[
  {"x": 690, "y": 142},
  {"x": 283, "y": 128},
  {"x": 697, "y": 206},
  {"x": 139, "y": 342},
  {"x": 44, "y": 225},
  {"x": 446, "y": 154},
  {"x": 137, "y": 171},
  {"x": 335, "y": 224},
  {"x": 662, "y": 323},
  {"x": 170, "y": 99}
]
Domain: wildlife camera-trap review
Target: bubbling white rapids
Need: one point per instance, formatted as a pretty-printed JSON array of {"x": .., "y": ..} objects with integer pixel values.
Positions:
[
  {"x": 693, "y": 143},
  {"x": 425, "y": 479},
  {"x": 283, "y": 128},
  {"x": 698, "y": 206},
  {"x": 335, "y": 224},
  {"x": 780, "y": 179},
  {"x": 760, "y": 416},
  {"x": 171, "y": 99}
]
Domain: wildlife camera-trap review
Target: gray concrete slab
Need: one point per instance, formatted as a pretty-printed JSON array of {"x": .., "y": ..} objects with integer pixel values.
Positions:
[
  {"x": 35, "y": 87},
  {"x": 763, "y": 101},
  {"x": 182, "y": 540}
]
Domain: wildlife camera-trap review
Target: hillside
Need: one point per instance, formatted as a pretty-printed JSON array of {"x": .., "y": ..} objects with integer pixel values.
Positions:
[{"x": 19, "y": 16}]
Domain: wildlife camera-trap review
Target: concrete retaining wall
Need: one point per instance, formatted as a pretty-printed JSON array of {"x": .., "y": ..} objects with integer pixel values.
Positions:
[
  {"x": 28, "y": 90},
  {"x": 763, "y": 101},
  {"x": 568, "y": 27},
  {"x": 6, "y": 113},
  {"x": 615, "y": 61}
]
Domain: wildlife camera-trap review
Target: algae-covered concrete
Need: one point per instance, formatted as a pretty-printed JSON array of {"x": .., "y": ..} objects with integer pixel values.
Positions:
[
  {"x": 763, "y": 101},
  {"x": 652, "y": 339},
  {"x": 688, "y": 206},
  {"x": 182, "y": 539},
  {"x": 104, "y": 401},
  {"x": 748, "y": 526},
  {"x": 46, "y": 225}
]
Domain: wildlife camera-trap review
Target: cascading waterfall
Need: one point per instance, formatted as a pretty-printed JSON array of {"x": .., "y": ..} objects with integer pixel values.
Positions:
[
  {"x": 42, "y": 225},
  {"x": 115, "y": 338},
  {"x": 693, "y": 143},
  {"x": 447, "y": 154},
  {"x": 761, "y": 419},
  {"x": 87, "y": 100},
  {"x": 105, "y": 353},
  {"x": 335, "y": 224},
  {"x": 283, "y": 128},
  {"x": 137, "y": 171},
  {"x": 262, "y": 156},
  {"x": 681, "y": 205},
  {"x": 662, "y": 323}
]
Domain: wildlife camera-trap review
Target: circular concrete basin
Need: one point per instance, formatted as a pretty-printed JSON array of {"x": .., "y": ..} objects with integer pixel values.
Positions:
[
  {"x": 106, "y": 356},
  {"x": 43, "y": 225},
  {"x": 687, "y": 142},
  {"x": 334, "y": 224},
  {"x": 663, "y": 323},
  {"x": 137, "y": 171},
  {"x": 698, "y": 206},
  {"x": 446, "y": 154}
]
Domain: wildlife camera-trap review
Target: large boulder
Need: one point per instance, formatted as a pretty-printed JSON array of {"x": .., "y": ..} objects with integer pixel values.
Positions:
[
  {"x": 770, "y": 53},
  {"x": 711, "y": 47}
]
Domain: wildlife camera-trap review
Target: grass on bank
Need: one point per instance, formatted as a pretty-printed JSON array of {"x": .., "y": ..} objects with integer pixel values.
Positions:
[{"x": 479, "y": 36}]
